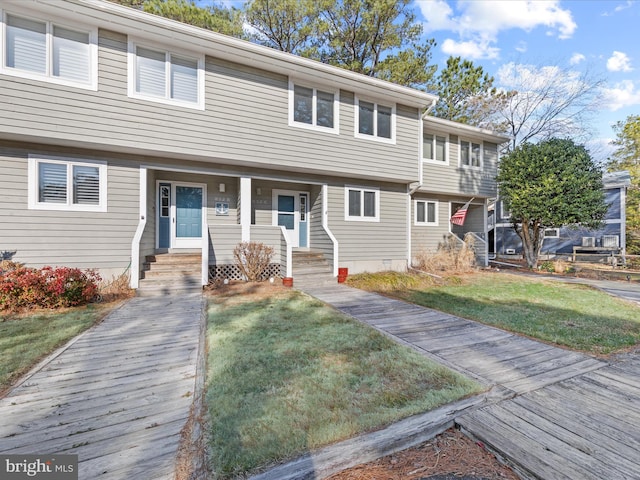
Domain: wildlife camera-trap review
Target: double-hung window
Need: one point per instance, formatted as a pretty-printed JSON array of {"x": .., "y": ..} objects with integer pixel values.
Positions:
[
  {"x": 48, "y": 51},
  {"x": 60, "y": 184},
  {"x": 470, "y": 154},
  {"x": 426, "y": 212},
  {"x": 434, "y": 147},
  {"x": 375, "y": 121},
  {"x": 167, "y": 77},
  {"x": 314, "y": 108},
  {"x": 362, "y": 204}
]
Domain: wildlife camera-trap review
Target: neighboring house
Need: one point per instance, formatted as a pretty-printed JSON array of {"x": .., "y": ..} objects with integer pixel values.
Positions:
[
  {"x": 125, "y": 135},
  {"x": 459, "y": 163},
  {"x": 561, "y": 241}
]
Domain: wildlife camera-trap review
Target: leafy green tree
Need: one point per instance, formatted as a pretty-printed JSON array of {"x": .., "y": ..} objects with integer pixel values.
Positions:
[
  {"x": 287, "y": 25},
  {"x": 379, "y": 38},
  {"x": 214, "y": 17},
  {"x": 467, "y": 94},
  {"x": 548, "y": 185},
  {"x": 627, "y": 157}
]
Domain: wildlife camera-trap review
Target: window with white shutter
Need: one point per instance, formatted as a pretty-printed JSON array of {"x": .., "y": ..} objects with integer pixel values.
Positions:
[
  {"x": 48, "y": 51},
  {"x": 166, "y": 77},
  {"x": 60, "y": 184}
]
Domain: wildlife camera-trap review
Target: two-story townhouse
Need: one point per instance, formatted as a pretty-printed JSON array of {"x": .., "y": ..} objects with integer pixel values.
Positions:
[
  {"x": 459, "y": 164},
  {"x": 125, "y": 135},
  {"x": 567, "y": 241}
]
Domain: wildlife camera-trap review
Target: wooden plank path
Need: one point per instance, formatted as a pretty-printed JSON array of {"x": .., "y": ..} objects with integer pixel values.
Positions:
[
  {"x": 565, "y": 415},
  {"x": 118, "y": 395},
  {"x": 490, "y": 355}
]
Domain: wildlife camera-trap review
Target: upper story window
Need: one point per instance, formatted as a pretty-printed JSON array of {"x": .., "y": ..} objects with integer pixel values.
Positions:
[
  {"x": 434, "y": 147},
  {"x": 551, "y": 233},
  {"x": 426, "y": 212},
  {"x": 362, "y": 204},
  {"x": 49, "y": 51},
  {"x": 470, "y": 154},
  {"x": 314, "y": 108},
  {"x": 166, "y": 77},
  {"x": 59, "y": 184},
  {"x": 375, "y": 121}
]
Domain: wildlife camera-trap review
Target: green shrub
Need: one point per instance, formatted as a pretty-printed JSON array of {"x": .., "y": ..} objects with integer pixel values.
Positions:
[{"x": 547, "y": 267}]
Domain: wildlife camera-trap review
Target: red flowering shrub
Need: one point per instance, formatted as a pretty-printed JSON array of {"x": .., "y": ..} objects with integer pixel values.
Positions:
[{"x": 47, "y": 287}]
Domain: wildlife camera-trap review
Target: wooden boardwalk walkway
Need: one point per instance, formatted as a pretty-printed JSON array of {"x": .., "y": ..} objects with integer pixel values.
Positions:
[
  {"x": 559, "y": 414},
  {"x": 118, "y": 396}
]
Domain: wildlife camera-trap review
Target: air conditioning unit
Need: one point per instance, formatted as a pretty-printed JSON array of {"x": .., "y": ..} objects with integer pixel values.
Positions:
[
  {"x": 610, "y": 241},
  {"x": 511, "y": 251},
  {"x": 588, "y": 241}
]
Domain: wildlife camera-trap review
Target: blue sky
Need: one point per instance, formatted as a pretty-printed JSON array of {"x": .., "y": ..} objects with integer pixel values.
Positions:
[{"x": 600, "y": 36}]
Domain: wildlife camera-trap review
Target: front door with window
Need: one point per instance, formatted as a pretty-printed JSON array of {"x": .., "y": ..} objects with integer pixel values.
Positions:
[
  {"x": 290, "y": 210},
  {"x": 180, "y": 212}
]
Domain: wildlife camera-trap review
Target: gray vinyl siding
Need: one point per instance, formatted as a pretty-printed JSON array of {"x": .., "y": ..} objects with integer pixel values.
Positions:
[
  {"x": 364, "y": 241},
  {"x": 425, "y": 238},
  {"x": 245, "y": 121},
  {"x": 68, "y": 238},
  {"x": 319, "y": 239},
  {"x": 453, "y": 179},
  {"x": 222, "y": 240}
]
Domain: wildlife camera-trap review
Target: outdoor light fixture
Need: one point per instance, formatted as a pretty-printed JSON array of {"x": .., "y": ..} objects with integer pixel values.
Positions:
[
  {"x": 222, "y": 188},
  {"x": 258, "y": 191}
]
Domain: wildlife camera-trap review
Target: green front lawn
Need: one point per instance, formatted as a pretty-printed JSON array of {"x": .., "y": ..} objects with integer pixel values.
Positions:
[
  {"x": 27, "y": 338},
  {"x": 287, "y": 374},
  {"x": 574, "y": 316}
]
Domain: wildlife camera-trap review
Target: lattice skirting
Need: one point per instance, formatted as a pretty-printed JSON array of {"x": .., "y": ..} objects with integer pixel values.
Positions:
[{"x": 232, "y": 272}]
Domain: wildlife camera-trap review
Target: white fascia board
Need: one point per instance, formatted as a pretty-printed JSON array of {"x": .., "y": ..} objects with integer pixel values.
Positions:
[
  {"x": 462, "y": 129},
  {"x": 165, "y": 31}
]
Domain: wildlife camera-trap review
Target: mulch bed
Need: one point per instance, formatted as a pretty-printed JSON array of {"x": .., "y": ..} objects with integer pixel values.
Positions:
[{"x": 449, "y": 456}]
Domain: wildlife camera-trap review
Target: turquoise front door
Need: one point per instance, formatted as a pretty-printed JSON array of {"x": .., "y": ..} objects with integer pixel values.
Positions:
[
  {"x": 180, "y": 213},
  {"x": 188, "y": 218}
]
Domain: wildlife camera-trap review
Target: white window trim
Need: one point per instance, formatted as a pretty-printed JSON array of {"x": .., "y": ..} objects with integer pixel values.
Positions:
[
  {"x": 362, "y": 189},
  {"x": 131, "y": 74},
  {"x": 33, "y": 182},
  {"x": 375, "y": 138},
  {"x": 446, "y": 148},
  {"x": 313, "y": 126},
  {"x": 48, "y": 77},
  {"x": 415, "y": 212},
  {"x": 477, "y": 142},
  {"x": 504, "y": 213},
  {"x": 556, "y": 233}
]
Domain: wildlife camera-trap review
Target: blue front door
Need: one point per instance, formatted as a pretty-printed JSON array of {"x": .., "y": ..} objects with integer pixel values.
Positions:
[
  {"x": 188, "y": 216},
  {"x": 164, "y": 215}
]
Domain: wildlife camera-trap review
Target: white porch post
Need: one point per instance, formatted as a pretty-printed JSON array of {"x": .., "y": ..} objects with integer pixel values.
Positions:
[
  {"x": 245, "y": 208},
  {"x": 142, "y": 221},
  {"x": 325, "y": 226}
]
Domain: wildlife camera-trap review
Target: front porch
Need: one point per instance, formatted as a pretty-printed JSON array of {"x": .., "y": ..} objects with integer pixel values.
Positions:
[
  {"x": 210, "y": 214},
  {"x": 476, "y": 225}
]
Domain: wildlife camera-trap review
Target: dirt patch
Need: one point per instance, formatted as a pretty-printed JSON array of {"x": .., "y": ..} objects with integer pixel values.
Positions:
[
  {"x": 450, "y": 456},
  {"x": 257, "y": 290}
]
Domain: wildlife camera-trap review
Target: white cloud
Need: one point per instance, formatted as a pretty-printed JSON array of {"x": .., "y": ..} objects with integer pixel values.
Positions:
[
  {"x": 619, "y": 62},
  {"x": 521, "y": 47},
  {"x": 619, "y": 8},
  {"x": 470, "y": 49},
  {"x": 515, "y": 75},
  {"x": 576, "y": 58},
  {"x": 623, "y": 94},
  {"x": 479, "y": 23}
]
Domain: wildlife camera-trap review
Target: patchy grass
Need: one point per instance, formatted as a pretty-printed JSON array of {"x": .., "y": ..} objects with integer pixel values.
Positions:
[
  {"x": 287, "y": 374},
  {"x": 574, "y": 316},
  {"x": 26, "y": 338}
]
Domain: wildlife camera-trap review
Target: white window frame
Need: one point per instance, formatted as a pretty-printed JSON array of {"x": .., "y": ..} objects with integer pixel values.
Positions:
[
  {"x": 131, "y": 67},
  {"x": 426, "y": 222},
  {"x": 556, "y": 233},
  {"x": 504, "y": 213},
  {"x": 471, "y": 143},
  {"x": 374, "y": 137},
  {"x": 362, "y": 190},
  {"x": 48, "y": 76},
  {"x": 34, "y": 184},
  {"x": 313, "y": 126},
  {"x": 446, "y": 148}
]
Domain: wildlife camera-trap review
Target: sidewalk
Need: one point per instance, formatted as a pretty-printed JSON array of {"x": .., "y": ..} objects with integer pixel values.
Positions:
[
  {"x": 117, "y": 395},
  {"x": 551, "y": 413}
]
